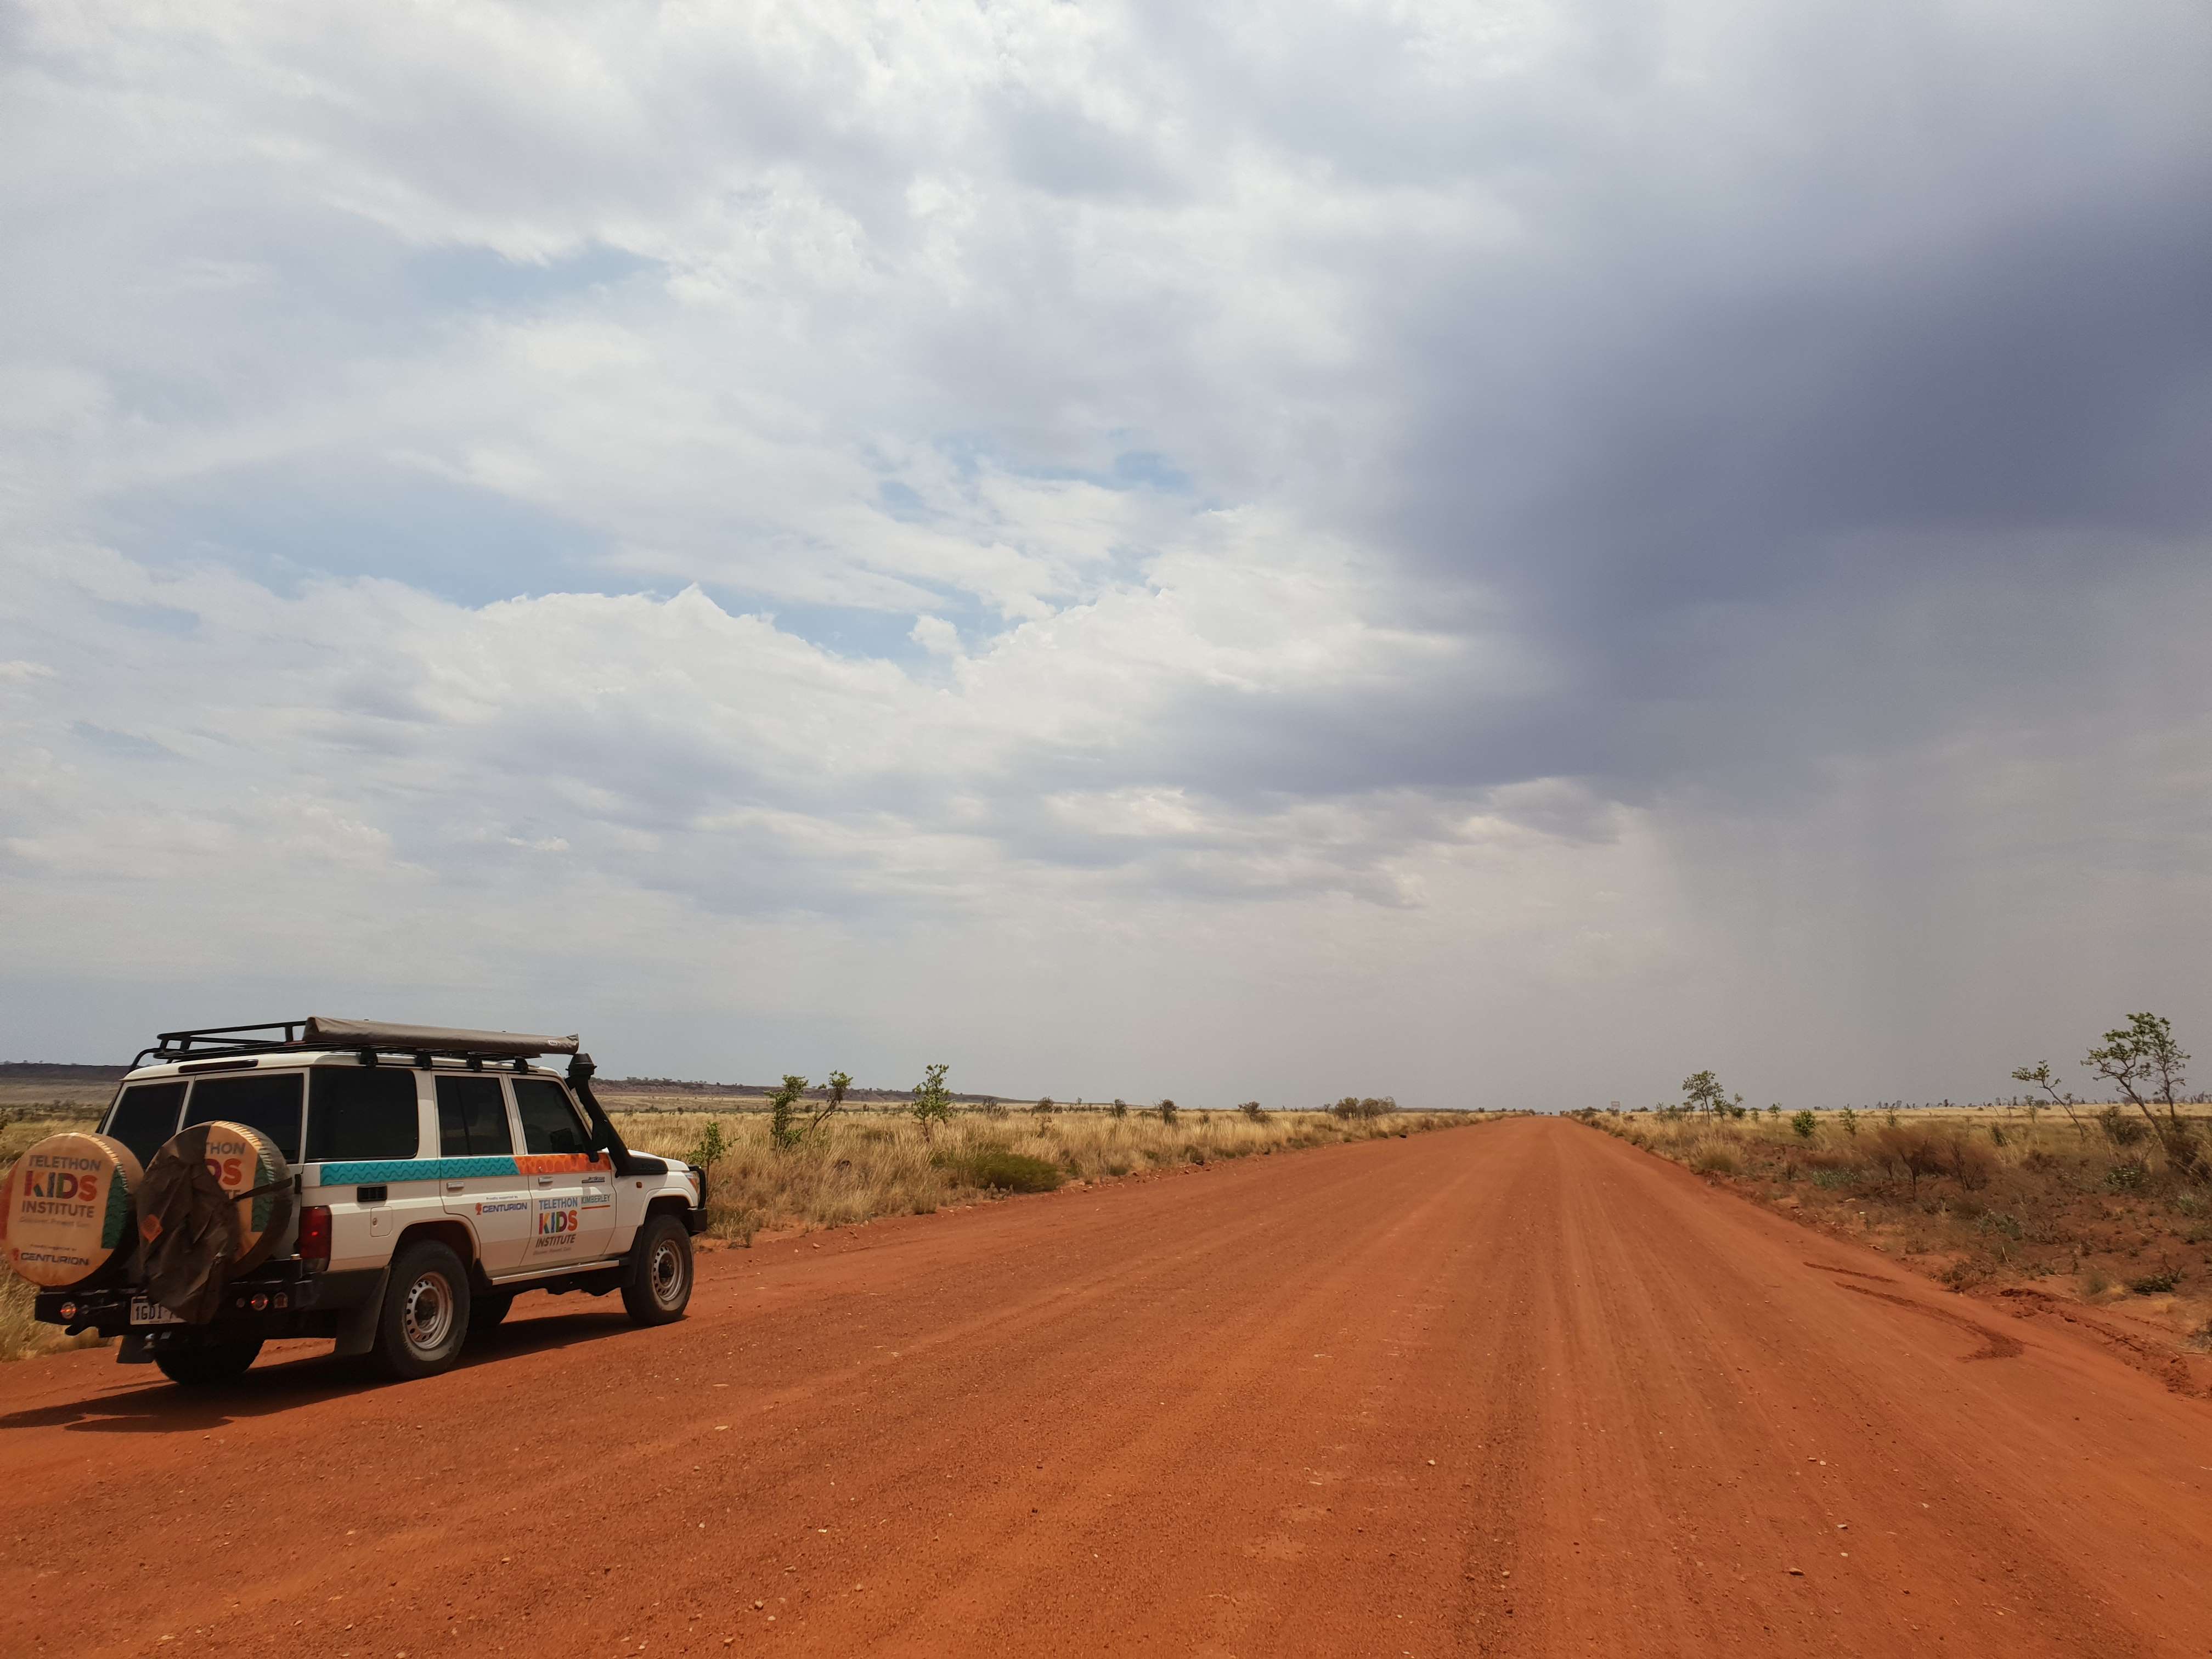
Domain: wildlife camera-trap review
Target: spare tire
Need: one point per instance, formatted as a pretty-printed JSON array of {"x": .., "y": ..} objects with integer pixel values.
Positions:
[
  {"x": 216, "y": 1200},
  {"x": 65, "y": 1210}
]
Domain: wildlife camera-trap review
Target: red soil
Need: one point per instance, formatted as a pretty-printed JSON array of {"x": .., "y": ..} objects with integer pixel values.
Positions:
[{"x": 1513, "y": 1390}]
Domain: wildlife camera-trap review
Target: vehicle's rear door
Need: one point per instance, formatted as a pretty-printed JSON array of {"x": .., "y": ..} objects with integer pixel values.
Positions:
[
  {"x": 144, "y": 1116},
  {"x": 477, "y": 1168},
  {"x": 571, "y": 1186}
]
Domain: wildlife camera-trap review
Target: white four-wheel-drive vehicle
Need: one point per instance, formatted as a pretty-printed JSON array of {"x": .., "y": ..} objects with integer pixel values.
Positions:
[{"x": 393, "y": 1186}]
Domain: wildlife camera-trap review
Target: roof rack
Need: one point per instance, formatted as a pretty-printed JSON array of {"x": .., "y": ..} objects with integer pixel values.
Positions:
[{"x": 366, "y": 1035}]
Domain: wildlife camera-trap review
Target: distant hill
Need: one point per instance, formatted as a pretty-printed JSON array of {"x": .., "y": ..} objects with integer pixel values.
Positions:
[{"x": 40, "y": 1071}]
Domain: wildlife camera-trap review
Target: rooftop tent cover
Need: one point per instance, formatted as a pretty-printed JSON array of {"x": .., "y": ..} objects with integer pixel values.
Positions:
[{"x": 377, "y": 1033}]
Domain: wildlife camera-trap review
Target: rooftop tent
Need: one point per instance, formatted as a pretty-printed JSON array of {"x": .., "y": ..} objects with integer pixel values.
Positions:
[{"x": 438, "y": 1039}]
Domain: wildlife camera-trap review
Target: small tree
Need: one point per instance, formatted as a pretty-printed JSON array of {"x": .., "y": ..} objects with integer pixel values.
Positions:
[
  {"x": 2042, "y": 1077},
  {"x": 1774, "y": 1112},
  {"x": 783, "y": 1109},
  {"x": 1252, "y": 1109},
  {"x": 1119, "y": 1108},
  {"x": 2143, "y": 1062},
  {"x": 1702, "y": 1092},
  {"x": 1804, "y": 1123},
  {"x": 932, "y": 1102},
  {"x": 1045, "y": 1106},
  {"x": 1166, "y": 1108},
  {"x": 1850, "y": 1122},
  {"x": 833, "y": 1097}
]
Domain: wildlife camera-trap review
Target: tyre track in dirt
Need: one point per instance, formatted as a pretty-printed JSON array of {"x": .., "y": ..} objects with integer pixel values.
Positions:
[{"x": 1503, "y": 1389}]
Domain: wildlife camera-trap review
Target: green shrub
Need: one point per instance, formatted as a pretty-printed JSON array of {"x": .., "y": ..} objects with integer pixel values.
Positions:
[
  {"x": 2157, "y": 1283},
  {"x": 1804, "y": 1123},
  {"x": 709, "y": 1147},
  {"x": 783, "y": 1112},
  {"x": 2128, "y": 1177},
  {"x": 932, "y": 1101}
]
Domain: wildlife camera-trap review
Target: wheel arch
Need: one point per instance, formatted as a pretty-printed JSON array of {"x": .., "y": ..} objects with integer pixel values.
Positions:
[{"x": 453, "y": 1234}]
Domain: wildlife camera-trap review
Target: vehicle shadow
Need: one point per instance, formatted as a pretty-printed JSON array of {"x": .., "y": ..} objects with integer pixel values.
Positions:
[{"x": 291, "y": 1383}]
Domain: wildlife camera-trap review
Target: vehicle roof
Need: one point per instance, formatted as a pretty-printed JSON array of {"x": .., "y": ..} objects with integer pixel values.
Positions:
[{"x": 295, "y": 1058}]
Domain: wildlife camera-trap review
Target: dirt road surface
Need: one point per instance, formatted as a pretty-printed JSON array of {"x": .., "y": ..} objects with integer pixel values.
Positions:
[{"x": 1509, "y": 1389}]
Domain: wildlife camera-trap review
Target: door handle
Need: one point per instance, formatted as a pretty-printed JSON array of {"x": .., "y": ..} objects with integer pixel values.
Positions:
[
  {"x": 455, "y": 1187},
  {"x": 545, "y": 1180}
]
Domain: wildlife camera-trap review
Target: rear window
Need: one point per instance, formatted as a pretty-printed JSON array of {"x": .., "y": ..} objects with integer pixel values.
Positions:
[
  {"x": 362, "y": 1112},
  {"x": 549, "y": 1123},
  {"x": 472, "y": 1118},
  {"x": 268, "y": 1103},
  {"x": 146, "y": 1116}
]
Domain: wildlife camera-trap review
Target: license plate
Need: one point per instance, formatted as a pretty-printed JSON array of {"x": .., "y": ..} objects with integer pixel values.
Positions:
[{"x": 144, "y": 1312}]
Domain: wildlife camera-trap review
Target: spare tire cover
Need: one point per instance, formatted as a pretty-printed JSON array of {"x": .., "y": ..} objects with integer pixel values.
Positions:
[
  {"x": 215, "y": 1201},
  {"x": 66, "y": 1209}
]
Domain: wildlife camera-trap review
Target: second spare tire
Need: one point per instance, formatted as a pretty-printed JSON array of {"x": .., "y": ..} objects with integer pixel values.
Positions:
[{"x": 216, "y": 1200}]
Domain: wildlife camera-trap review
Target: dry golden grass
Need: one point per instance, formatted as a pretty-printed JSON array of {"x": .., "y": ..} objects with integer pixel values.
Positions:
[
  {"x": 89, "y": 1099},
  {"x": 20, "y": 1128},
  {"x": 862, "y": 1165},
  {"x": 2001, "y": 1196}
]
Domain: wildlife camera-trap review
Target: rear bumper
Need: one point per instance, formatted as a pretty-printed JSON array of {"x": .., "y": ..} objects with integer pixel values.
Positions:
[{"x": 293, "y": 1303}]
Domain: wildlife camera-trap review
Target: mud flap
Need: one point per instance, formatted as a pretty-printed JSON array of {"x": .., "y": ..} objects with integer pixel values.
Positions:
[
  {"x": 135, "y": 1349},
  {"x": 357, "y": 1334}
]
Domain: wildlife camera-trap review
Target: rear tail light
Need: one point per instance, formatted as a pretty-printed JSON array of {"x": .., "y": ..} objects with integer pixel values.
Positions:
[{"x": 315, "y": 1235}]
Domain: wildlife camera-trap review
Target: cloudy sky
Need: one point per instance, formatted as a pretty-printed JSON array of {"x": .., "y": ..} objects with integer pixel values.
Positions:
[{"x": 1499, "y": 553}]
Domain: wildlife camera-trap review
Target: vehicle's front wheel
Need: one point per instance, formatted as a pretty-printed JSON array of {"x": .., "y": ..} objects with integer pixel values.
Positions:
[
  {"x": 657, "y": 1279},
  {"x": 425, "y": 1316},
  {"x": 199, "y": 1362}
]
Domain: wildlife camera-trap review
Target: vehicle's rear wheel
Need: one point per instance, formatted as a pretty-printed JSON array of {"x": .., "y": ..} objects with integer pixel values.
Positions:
[
  {"x": 657, "y": 1278},
  {"x": 198, "y": 1362},
  {"x": 425, "y": 1316},
  {"x": 487, "y": 1310}
]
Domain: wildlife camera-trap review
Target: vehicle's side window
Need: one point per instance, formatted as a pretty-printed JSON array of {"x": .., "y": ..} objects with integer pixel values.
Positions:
[
  {"x": 472, "y": 1118},
  {"x": 549, "y": 1123},
  {"x": 362, "y": 1112},
  {"x": 146, "y": 1116},
  {"x": 269, "y": 1101}
]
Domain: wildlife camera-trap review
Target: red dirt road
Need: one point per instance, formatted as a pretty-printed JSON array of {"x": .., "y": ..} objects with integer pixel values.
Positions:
[{"x": 1515, "y": 1389}]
